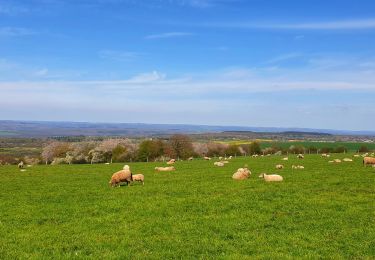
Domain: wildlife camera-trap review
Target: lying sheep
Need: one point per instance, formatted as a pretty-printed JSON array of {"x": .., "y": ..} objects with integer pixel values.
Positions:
[
  {"x": 297, "y": 167},
  {"x": 207, "y": 158},
  {"x": 271, "y": 177},
  {"x": 230, "y": 157},
  {"x": 220, "y": 158},
  {"x": 124, "y": 175},
  {"x": 300, "y": 156},
  {"x": 220, "y": 164},
  {"x": 139, "y": 177},
  {"x": 337, "y": 160},
  {"x": 165, "y": 169},
  {"x": 347, "y": 160},
  {"x": 285, "y": 159},
  {"x": 356, "y": 155},
  {"x": 190, "y": 158},
  {"x": 254, "y": 155},
  {"x": 170, "y": 162},
  {"x": 324, "y": 155},
  {"x": 241, "y": 174},
  {"x": 368, "y": 160},
  {"x": 279, "y": 166}
]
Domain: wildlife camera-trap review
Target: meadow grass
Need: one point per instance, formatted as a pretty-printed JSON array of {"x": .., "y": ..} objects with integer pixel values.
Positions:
[{"x": 197, "y": 212}]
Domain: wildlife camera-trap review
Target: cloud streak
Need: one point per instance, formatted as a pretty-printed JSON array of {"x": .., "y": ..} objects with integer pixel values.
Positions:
[{"x": 167, "y": 35}]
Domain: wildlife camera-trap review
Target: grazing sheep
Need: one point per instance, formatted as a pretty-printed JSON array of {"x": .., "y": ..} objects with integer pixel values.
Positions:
[
  {"x": 124, "y": 175},
  {"x": 271, "y": 177},
  {"x": 368, "y": 160},
  {"x": 285, "y": 159},
  {"x": 207, "y": 158},
  {"x": 337, "y": 160},
  {"x": 347, "y": 160},
  {"x": 241, "y": 174},
  {"x": 21, "y": 165},
  {"x": 300, "y": 156},
  {"x": 279, "y": 166},
  {"x": 220, "y": 164},
  {"x": 139, "y": 177},
  {"x": 165, "y": 169}
]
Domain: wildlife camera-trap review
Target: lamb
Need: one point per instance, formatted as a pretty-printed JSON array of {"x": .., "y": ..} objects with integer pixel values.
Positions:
[
  {"x": 368, "y": 160},
  {"x": 124, "y": 175},
  {"x": 139, "y": 177},
  {"x": 165, "y": 169},
  {"x": 279, "y": 166},
  {"x": 241, "y": 174},
  {"x": 21, "y": 165},
  {"x": 220, "y": 164},
  {"x": 300, "y": 156},
  {"x": 271, "y": 177},
  {"x": 285, "y": 159},
  {"x": 347, "y": 160}
]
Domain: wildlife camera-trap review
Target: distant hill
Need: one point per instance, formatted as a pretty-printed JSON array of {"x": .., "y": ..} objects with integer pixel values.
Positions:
[{"x": 10, "y": 128}]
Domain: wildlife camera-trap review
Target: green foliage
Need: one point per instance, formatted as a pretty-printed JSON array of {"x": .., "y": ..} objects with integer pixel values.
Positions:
[{"x": 197, "y": 212}]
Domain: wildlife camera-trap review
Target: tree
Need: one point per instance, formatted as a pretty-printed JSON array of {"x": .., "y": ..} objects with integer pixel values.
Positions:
[
  {"x": 150, "y": 149},
  {"x": 364, "y": 149},
  {"x": 254, "y": 148},
  {"x": 55, "y": 150},
  {"x": 182, "y": 145},
  {"x": 232, "y": 150}
]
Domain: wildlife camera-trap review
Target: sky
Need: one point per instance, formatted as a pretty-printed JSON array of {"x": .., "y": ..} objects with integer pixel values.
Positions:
[{"x": 290, "y": 63}]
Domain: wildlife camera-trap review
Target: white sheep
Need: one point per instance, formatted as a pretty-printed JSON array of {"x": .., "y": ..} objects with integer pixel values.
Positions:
[
  {"x": 241, "y": 174},
  {"x": 347, "y": 160},
  {"x": 300, "y": 156},
  {"x": 220, "y": 164},
  {"x": 271, "y": 177},
  {"x": 285, "y": 159},
  {"x": 296, "y": 167},
  {"x": 279, "y": 166},
  {"x": 337, "y": 160},
  {"x": 139, "y": 177},
  {"x": 207, "y": 158},
  {"x": 164, "y": 169}
]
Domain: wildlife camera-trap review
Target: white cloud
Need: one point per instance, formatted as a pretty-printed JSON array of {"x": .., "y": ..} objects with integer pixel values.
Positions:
[
  {"x": 168, "y": 35},
  {"x": 15, "y": 31}
]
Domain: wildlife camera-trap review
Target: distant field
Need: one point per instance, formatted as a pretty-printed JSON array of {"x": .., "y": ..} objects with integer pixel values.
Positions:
[
  {"x": 351, "y": 146},
  {"x": 21, "y": 151},
  {"x": 198, "y": 211},
  {"x": 6, "y": 133}
]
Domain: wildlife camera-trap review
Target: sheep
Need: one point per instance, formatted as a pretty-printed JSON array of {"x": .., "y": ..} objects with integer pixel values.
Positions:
[
  {"x": 337, "y": 160},
  {"x": 347, "y": 160},
  {"x": 139, "y": 177},
  {"x": 324, "y": 155},
  {"x": 165, "y": 169},
  {"x": 271, "y": 177},
  {"x": 241, "y": 174},
  {"x": 279, "y": 166},
  {"x": 255, "y": 155},
  {"x": 296, "y": 167},
  {"x": 356, "y": 155},
  {"x": 220, "y": 164},
  {"x": 331, "y": 161},
  {"x": 23, "y": 170},
  {"x": 124, "y": 175},
  {"x": 21, "y": 165},
  {"x": 220, "y": 158},
  {"x": 285, "y": 159},
  {"x": 230, "y": 157},
  {"x": 225, "y": 161},
  {"x": 207, "y": 158},
  {"x": 190, "y": 158},
  {"x": 170, "y": 162},
  {"x": 368, "y": 160},
  {"x": 300, "y": 156}
]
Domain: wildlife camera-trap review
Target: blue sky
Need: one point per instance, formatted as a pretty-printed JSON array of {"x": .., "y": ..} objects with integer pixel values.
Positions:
[{"x": 224, "y": 62}]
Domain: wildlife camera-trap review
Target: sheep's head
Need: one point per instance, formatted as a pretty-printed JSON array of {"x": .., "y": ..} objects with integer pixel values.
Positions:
[
  {"x": 126, "y": 167},
  {"x": 262, "y": 175}
]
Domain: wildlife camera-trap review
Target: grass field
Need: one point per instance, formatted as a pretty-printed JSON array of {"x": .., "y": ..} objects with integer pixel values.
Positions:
[
  {"x": 196, "y": 212},
  {"x": 351, "y": 146}
]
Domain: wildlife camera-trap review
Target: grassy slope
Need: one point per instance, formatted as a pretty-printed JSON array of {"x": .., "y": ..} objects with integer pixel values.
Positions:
[{"x": 69, "y": 211}]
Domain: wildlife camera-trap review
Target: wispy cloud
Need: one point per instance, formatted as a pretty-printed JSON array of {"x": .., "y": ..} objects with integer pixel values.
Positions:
[
  {"x": 358, "y": 24},
  {"x": 118, "y": 55},
  {"x": 168, "y": 35},
  {"x": 15, "y": 31}
]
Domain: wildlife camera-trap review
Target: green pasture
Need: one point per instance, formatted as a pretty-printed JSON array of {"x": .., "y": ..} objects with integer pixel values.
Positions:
[{"x": 197, "y": 212}]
